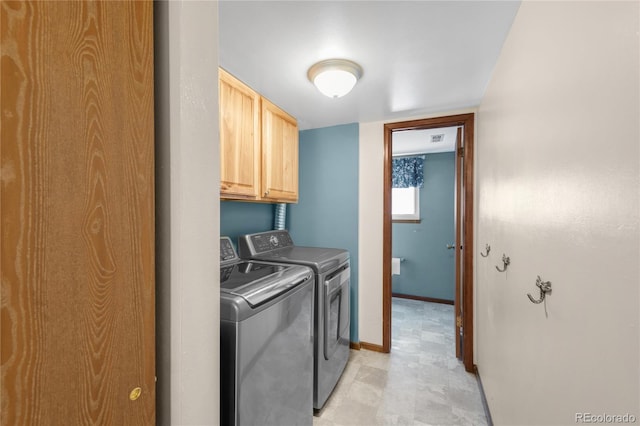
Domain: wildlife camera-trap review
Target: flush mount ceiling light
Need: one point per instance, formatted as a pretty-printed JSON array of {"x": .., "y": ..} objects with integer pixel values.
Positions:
[{"x": 334, "y": 77}]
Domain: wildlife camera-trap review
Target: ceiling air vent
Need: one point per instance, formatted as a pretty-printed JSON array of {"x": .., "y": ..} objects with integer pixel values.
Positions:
[{"x": 437, "y": 138}]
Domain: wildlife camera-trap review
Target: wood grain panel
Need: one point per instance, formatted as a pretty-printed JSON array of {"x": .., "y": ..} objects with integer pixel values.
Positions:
[
  {"x": 77, "y": 213},
  {"x": 279, "y": 154},
  {"x": 239, "y": 139}
]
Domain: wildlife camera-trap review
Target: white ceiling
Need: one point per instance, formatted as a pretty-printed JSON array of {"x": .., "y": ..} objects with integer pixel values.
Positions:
[
  {"x": 418, "y": 57},
  {"x": 407, "y": 142}
]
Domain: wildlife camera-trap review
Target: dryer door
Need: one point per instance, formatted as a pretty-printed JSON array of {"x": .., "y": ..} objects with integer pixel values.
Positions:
[{"x": 336, "y": 311}]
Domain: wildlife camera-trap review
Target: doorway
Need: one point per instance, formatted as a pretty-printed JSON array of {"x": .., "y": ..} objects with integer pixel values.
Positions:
[{"x": 463, "y": 305}]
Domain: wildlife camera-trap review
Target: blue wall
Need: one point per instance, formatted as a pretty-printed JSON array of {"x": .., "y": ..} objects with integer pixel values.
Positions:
[
  {"x": 327, "y": 212},
  {"x": 428, "y": 269},
  {"x": 239, "y": 218}
]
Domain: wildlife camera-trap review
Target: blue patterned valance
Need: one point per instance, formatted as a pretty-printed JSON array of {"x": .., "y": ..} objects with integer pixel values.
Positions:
[{"x": 408, "y": 172}]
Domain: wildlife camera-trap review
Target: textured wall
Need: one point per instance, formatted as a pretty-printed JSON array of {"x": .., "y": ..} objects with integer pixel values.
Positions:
[
  {"x": 558, "y": 178},
  {"x": 187, "y": 213}
]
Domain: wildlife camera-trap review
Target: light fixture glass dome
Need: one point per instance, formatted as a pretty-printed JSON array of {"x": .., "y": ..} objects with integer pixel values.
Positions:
[{"x": 335, "y": 77}]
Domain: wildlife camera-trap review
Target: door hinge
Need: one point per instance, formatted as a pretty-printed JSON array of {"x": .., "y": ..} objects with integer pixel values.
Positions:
[
  {"x": 458, "y": 321},
  {"x": 461, "y": 151}
]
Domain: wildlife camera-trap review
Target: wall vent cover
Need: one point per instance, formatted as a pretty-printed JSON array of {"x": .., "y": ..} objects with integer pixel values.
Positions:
[{"x": 437, "y": 138}]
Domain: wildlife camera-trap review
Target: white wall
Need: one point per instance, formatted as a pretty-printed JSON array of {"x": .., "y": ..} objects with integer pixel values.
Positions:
[
  {"x": 370, "y": 212},
  {"x": 187, "y": 194},
  {"x": 558, "y": 178}
]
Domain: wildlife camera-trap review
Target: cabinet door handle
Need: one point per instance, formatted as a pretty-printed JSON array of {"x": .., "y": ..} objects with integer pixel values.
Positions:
[
  {"x": 266, "y": 193},
  {"x": 224, "y": 186}
]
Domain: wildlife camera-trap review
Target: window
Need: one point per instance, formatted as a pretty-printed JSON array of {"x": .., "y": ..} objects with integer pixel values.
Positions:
[
  {"x": 406, "y": 180},
  {"x": 405, "y": 204}
]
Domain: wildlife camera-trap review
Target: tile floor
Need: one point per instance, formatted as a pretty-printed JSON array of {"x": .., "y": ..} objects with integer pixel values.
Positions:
[{"x": 419, "y": 383}]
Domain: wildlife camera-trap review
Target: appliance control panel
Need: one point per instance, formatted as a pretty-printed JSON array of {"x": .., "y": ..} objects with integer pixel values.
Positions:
[
  {"x": 227, "y": 251},
  {"x": 267, "y": 241}
]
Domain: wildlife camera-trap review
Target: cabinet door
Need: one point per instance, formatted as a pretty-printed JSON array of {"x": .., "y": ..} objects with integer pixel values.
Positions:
[
  {"x": 279, "y": 154},
  {"x": 77, "y": 217},
  {"x": 239, "y": 139}
]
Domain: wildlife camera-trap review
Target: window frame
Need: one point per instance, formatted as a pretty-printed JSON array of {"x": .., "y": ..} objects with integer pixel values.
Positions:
[{"x": 411, "y": 217}]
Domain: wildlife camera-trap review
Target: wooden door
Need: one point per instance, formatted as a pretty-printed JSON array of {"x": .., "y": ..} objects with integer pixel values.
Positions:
[
  {"x": 239, "y": 139},
  {"x": 77, "y": 213},
  {"x": 459, "y": 170},
  {"x": 279, "y": 154}
]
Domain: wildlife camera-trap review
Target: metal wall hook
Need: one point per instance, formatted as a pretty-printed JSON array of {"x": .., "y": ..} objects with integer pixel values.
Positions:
[
  {"x": 487, "y": 248},
  {"x": 506, "y": 261},
  {"x": 544, "y": 286}
]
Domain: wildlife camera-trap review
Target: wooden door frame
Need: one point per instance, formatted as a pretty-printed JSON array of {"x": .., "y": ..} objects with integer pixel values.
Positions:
[
  {"x": 467, "y": 121},
  {"x": 458, "y": 273}
]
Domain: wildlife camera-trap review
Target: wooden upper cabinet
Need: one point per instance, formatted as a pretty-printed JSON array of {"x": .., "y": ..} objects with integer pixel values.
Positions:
[
  {"x": 239, "y": 139},
  {"x": 258, "y": 146},
  {"x": 280, "y": 154}
]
